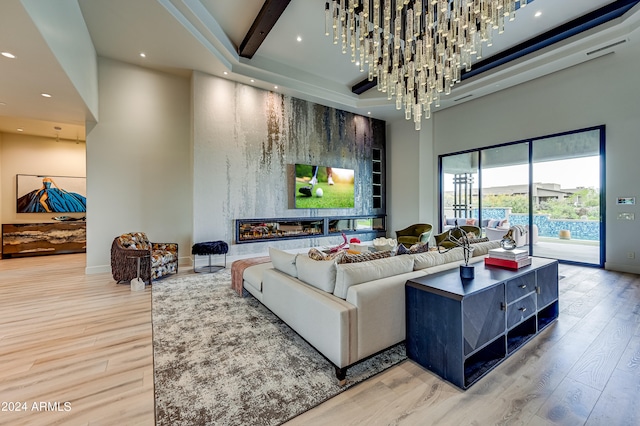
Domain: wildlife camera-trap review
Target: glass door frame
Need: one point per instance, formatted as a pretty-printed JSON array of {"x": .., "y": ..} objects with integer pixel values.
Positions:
[{"x": 530, "y": 141}]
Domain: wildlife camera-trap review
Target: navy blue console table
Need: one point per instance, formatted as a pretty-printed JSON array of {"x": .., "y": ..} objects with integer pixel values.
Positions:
[{"x": 462, "y": 329}]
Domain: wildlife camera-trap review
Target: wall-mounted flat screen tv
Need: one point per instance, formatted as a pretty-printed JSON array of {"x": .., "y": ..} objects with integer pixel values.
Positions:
[{"x": 321, "y": 187}]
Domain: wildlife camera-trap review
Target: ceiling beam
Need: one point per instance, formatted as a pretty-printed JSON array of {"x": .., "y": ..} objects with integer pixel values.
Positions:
[
  {"x": 265, "y": 21},
  {"x": 364, "y": 85}
]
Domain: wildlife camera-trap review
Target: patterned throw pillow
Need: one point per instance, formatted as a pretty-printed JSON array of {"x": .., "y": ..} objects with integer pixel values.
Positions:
[
  {"x": 470, "y": 222},
  {"x": 316, "y": 254},
  {"x": 135, "y": 241},
  {"x": 478, "y": 240},
  {"x": 414, "y": 249},
  {"x": 364, "y": 257}
]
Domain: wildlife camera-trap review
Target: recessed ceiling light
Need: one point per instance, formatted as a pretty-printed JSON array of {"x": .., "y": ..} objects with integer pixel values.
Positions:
[
  {"x": 299, "y": 38},
  {"x": 225, "y": 73},
  {"x": 3, "y": 104},
  {"x": 538, "y": 13},
  {"x": 8, "y": 55},
  {"x": 368, "y": 112},
  {"x": 20, "y": 129},
  {"x": 275, "y": 87},
  {"x": 253, "y": 81},
  {"x": 45, "y": 95}
]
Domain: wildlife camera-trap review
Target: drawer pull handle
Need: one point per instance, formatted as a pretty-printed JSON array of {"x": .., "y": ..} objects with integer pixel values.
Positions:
[
  {"x": 523, "y": 309},
  {"x": 523, "y": 286}
]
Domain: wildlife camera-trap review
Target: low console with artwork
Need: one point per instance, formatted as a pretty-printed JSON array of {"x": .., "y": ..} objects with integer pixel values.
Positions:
[
  {"x": 29, "y": 239},
  {"x": 255, "y": 230}
]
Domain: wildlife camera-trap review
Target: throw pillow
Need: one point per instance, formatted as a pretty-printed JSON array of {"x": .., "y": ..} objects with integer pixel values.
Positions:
[
  {"x": 364, "y": 257},
  {"x": 470, "y": 222},
  {"x": 414, "y": 249},
  {"x": 493, "y": 223},
  {"x": 283, "y": 261},
  {"x": 321, "y": 275},
  {"x": 316, "y": 254}
]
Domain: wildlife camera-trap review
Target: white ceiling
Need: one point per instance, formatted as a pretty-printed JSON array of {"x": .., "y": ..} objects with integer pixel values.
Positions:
[{"x": 179, "y": 36}]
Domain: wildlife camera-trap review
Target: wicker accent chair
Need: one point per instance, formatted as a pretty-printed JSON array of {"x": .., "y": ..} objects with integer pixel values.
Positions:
[
  {"x": 156, "y": 259},
  {"x": 442, "y": 239},
  {"x": 419, "y": 232}
]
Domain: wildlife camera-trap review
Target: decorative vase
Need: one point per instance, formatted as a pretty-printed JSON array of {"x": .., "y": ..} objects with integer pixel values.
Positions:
[{"x": 466, "y": 272}]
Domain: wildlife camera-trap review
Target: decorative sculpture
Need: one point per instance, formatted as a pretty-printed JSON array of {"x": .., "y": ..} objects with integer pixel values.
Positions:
[
  {"x": 508, "y": 242},
  {"x": 459, "y": 238}
]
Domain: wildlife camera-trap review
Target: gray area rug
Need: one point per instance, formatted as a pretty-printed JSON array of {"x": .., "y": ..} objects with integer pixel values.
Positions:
[{"x": 220, "y": 359}]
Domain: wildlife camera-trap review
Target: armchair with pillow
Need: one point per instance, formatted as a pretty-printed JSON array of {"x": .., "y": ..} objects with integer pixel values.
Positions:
[
  {"x": 418, "y": 233},
  {"x": 156, "y": 259}
]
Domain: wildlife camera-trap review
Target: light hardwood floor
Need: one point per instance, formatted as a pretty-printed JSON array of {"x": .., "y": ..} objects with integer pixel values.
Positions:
[{"x": 70, "y": 337}]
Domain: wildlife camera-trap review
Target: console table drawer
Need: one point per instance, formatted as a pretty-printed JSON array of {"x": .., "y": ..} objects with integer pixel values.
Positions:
[
  {"x": 521, "y": 286},
  {"x": 520, "y": 310}
]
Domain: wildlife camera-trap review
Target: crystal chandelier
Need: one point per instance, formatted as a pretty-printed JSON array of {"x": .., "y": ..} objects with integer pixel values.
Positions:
[{"x": 416, "y": 49}]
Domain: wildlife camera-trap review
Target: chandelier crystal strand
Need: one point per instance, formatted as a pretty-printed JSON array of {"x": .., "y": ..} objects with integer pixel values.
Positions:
[{"x": 416, "y": 49}]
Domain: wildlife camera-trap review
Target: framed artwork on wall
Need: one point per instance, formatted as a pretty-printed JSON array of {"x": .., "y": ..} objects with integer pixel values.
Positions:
[{"x": 51, "y": 194}]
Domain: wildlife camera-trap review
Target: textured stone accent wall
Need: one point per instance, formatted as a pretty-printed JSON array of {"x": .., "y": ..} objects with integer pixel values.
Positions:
[{"x": 246, "y": 141}]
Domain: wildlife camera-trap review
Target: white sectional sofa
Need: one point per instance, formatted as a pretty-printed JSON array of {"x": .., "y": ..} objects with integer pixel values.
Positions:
[{"x": 347, "y": 311}]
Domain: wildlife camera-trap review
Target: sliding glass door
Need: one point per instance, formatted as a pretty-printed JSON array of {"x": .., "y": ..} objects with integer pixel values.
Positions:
[
  {"x": 505, "y": 191},
  {"x": 547, "y": 191},
  {"x": 459, "y": 175},
  {"x": 566, "y": 196}
]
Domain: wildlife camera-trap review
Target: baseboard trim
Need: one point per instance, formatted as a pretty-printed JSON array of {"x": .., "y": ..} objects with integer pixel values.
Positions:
[
  {"x": 632, "y": 269},
  {"x": 102, "y": 269}
]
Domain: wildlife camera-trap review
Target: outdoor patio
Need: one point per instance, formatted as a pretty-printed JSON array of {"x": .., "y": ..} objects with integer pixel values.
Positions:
[{"x": 583, "y": 251}]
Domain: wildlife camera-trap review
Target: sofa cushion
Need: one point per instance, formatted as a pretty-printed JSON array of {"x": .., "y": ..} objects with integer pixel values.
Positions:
[
  {"x": 319, "y": 274},
  {"x": 283, "y": 261},
  {"x": 252, "y": 275},
  {"x": 427, "y": 260},
  {"x": 349, "y": 274}
]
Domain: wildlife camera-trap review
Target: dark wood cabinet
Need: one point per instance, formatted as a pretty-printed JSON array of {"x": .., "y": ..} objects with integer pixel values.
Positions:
[
  {"x": 31, "y": 239},
  {"x": 461, "y": 329}
]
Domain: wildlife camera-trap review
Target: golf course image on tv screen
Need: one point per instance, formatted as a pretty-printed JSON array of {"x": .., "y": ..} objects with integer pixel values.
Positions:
[{"x": 321, "y": 187}]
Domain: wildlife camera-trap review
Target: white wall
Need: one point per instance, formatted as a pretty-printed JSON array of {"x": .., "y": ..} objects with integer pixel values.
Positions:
[
  {"x": 602, "y": 91},
  {"x": 411, "y": 175},
  {"x": 32, "y": 155},
  {"x": 139, "y": 161},
  {"x": 246, "y": 141}
]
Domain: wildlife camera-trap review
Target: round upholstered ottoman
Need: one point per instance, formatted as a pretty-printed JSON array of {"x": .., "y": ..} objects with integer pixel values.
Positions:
[{"x": 210, "y": 248}]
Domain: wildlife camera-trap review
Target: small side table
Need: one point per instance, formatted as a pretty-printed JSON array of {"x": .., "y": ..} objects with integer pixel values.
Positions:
[{"x": 137, "y": 284}]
